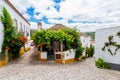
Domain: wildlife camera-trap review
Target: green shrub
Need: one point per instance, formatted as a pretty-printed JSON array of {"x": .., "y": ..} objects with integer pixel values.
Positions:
[
  {"x": 79, "y": 51},
  {"x": 89, "y": 51},
  {"x": 13, "y": 40},
  {"x": 101, "y": 64}
]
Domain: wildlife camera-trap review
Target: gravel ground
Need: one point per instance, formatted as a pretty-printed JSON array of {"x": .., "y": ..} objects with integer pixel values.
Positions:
[{"x": 28, "y": 68}]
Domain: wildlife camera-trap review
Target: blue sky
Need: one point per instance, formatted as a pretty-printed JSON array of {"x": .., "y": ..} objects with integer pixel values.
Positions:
[{"x": 86, "y": 15}]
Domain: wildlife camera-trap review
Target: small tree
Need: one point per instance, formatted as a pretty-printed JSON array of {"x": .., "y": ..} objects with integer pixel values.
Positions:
[
  {"x": 87, "y": 52},
  {"x": 12, "y": 41},
  {"x": 79, "y": 51},
  {"x": 91, "y": 51}
]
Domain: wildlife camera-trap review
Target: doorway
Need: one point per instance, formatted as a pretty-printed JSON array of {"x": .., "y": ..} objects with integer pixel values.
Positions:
[{"x": 53, "y": 47}]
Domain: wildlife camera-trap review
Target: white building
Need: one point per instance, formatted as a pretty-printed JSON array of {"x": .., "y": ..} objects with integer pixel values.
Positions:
[
  {"x": 19, "y": 21},
  {"x": 85, "y": 40},
  {"x": 102, "y": 36}
]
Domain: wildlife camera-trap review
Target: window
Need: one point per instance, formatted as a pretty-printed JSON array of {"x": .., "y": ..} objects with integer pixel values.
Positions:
[
  {"x": 27, "y": 31},
  {"x": 21, "y": 30},
  {"x": 24, "y": 29},
  {"x": 58, "y": 56},
  {"x": 16, "y": 23}
]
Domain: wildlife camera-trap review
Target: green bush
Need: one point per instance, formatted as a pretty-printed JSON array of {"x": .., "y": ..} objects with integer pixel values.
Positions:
[
  {"x": 79, "y": 51},
  {"x": 12, "y": 39},
  {"x": 101, "y": 64},
  {"x": 89, "y": 51}
]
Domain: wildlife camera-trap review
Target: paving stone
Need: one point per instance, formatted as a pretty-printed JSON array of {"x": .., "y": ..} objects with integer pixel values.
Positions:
[{"x": 28, "y": 68}]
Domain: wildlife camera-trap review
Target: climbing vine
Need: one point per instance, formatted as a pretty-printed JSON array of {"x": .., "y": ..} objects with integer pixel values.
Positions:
[
  {"x": 112, "y": 43},
  {"x": 45, "y": 36}
]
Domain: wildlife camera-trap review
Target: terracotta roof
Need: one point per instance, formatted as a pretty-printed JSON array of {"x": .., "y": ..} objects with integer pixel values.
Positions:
[
  {"x": 61, "y": 26},
  {"x": 8, "y": 2},
  {"x": 58, "y": 27}
]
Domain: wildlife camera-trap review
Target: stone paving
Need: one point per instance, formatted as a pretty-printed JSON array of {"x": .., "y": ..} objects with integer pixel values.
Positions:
[{"x": 28, "y": 68}]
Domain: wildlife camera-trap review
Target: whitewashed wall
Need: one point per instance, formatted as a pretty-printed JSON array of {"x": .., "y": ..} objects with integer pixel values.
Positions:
[
  {"x": 1, "y": 36},
  {"x": 44, "y": 55},
  {"x": 70, "y": 54},
  {"x": 100, "y": 38},
  {"x": 86, "y": 41},
  {"x": 14, "y": 15}
]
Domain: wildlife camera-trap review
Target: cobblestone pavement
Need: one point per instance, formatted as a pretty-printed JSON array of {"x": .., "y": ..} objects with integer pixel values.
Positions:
[{"x": 28, "y": 68}]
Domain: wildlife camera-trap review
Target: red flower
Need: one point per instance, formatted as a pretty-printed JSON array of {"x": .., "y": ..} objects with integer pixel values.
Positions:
[
  {"x": 23, "y": 39},
  {"x": 7, "y": 48}
]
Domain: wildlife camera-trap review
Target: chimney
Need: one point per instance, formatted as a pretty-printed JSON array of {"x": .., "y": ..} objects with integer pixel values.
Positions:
[{"x": 39, "y": 25}]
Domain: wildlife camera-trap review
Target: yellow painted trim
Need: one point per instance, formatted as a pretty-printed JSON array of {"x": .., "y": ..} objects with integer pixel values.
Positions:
[
  {"x": 1, "y": 63},
  {"x": 27, "y": 49},
  {"x": 58, "y": 61},
  {"x": 41, "y": 59},
  {"x": 21, "y": 51},
  {"x": 69, "y": 60},
  {"x": 63, "y": 56},
  {"x": 4, "y": 62}
]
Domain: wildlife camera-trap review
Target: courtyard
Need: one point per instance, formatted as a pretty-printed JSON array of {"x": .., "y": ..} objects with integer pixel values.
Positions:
[{"x": 29, "y": 68}]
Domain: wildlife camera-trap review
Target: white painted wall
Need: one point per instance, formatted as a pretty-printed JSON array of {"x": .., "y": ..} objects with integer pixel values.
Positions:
[
  {"x": 69, "y": 54},
  {"x": 1, "y": 35},
  {"x": 100, "y": 38},
  {"x": 86, "y": 41},
  {"x": 19, "y": 19},
  {"x": 44, "y": 55}
]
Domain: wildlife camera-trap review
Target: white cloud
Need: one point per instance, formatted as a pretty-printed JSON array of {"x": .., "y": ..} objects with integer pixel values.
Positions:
[
  {"x": 54, "y": 21},
  {"x": 105, "y": 11},
  {"x": 39, "y": 16},
  {"x": 27, "y": 16},
  {"x": 21, "y": 5},
  {"x": 51, "y": 13},
  {"x": 33, "y": 25}
]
